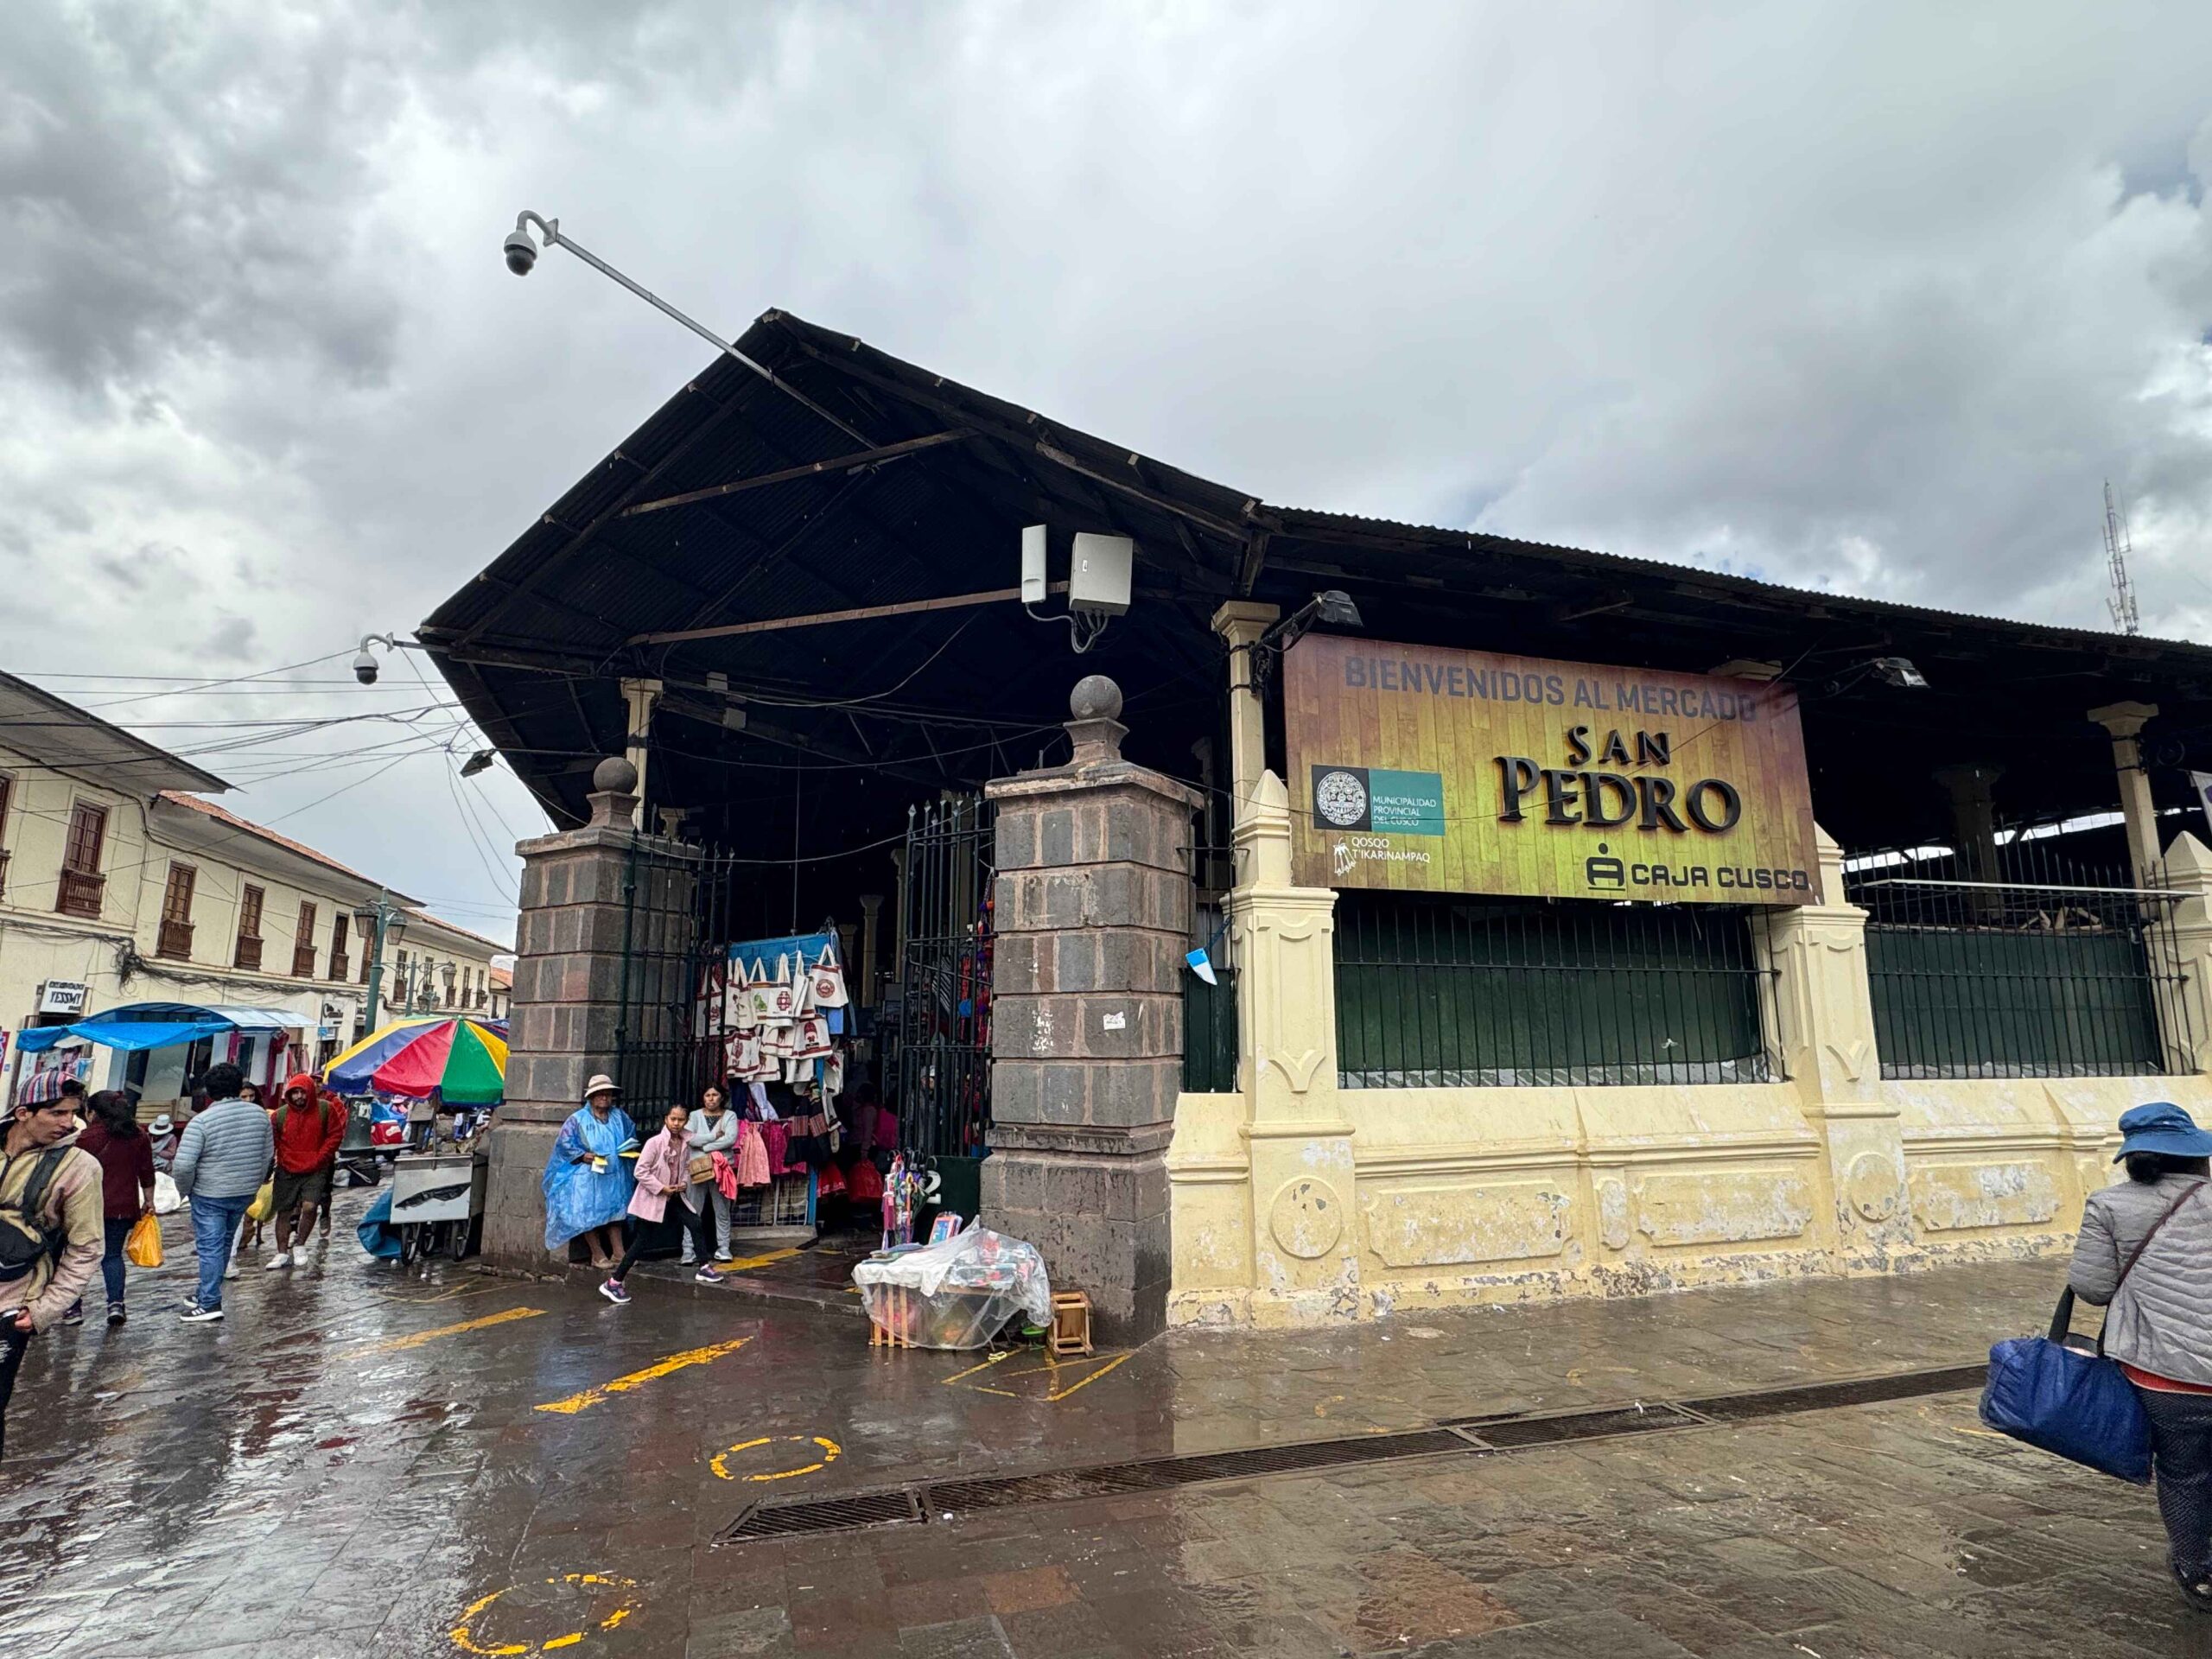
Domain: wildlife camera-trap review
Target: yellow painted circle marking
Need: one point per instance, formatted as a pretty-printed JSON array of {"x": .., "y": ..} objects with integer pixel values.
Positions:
[
  {"x": 468, "y": 1643},
  {"x": 830, "y": 1452}
]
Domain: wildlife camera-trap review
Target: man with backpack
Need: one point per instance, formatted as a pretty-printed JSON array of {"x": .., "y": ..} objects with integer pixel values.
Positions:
[
  {"x": 221, "y": 1164},
  {"x": 307, "y": 1131},
  {"x": 51, "y": 1228}
]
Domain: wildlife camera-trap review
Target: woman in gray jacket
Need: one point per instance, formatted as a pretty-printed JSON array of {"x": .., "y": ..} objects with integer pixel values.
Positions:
[{"x": 2154, "y": 1230}]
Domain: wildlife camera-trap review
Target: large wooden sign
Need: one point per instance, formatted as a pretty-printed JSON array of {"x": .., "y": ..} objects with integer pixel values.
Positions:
[{"x": 1440, "y": 770}]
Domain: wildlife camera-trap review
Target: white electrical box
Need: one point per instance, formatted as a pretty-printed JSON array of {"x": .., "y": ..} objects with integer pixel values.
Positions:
[
  {"x": 1098, "y": 578},
  {"x": 1032, "y": 564}
]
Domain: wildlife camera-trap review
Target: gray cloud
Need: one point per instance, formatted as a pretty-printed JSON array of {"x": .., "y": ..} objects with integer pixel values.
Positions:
[{"x": 1872, "y": 298}]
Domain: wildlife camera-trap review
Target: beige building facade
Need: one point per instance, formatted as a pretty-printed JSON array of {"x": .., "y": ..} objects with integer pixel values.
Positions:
[
  {"x": 1297, "y": 1202},
  {"x": 121, "y": 884}
]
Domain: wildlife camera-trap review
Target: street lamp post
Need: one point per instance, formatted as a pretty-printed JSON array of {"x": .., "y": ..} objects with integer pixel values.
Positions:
[{"x": 385, "y": 922}]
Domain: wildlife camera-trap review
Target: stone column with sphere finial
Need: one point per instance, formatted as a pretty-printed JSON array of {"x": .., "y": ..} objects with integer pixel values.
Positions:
[
  {"x": 569, "y": 995},
  {"x": 1092, "y": 915}
]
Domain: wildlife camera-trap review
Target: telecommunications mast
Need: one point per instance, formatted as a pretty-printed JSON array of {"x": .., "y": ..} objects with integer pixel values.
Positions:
[{"x": 2125, "y": 616}]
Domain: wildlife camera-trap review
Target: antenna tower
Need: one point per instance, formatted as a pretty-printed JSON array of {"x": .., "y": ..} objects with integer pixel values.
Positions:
[{"x": 2125, "y": 616}]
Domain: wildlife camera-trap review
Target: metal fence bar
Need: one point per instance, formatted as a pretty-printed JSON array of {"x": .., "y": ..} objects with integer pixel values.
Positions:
[
  {"x": 1435, "y": 992},
  {"x": 2057, "y": 969}
]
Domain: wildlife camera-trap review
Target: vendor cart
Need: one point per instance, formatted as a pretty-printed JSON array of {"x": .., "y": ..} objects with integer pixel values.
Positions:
[{"x": 435, "y": 1199}]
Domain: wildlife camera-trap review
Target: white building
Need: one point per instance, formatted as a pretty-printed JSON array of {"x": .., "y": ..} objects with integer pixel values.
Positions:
[{"x": 120, "y": 885}]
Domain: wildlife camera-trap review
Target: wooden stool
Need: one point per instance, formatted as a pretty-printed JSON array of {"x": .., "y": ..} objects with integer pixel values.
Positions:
[
  {"x": 1070, "y": 1332},
  {"x": 898, "y": 1313}
]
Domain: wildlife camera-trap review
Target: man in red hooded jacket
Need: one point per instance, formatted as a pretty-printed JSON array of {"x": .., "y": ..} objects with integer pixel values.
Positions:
[{"x": 307, "y": 1128}]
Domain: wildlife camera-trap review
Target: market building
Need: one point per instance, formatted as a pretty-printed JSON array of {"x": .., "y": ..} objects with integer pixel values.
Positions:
[
  {"x": 1283, "y": 917},
  {"x": 123, "y": 887}
]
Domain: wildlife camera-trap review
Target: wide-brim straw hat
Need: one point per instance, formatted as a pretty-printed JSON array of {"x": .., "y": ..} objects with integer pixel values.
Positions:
[{"x": 602, "y": 1085}]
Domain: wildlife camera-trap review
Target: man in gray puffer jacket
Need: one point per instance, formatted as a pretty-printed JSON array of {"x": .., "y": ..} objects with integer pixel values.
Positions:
[
  {"x": 221, "y": 1162},
  {"x": 2145, "y": 1248}
]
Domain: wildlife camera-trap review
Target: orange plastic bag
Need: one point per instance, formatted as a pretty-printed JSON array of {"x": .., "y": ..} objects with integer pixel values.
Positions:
[{"x": 143, "y": 1248}]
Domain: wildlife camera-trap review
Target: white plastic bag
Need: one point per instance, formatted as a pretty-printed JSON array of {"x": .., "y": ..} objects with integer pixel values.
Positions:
[
  {"x": 959, "y": 1293},
  {"x": 167, "y": 1199}
]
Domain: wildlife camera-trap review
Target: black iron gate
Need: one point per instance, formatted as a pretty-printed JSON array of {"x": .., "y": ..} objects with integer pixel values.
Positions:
[{"x": 941, "y": 1069}]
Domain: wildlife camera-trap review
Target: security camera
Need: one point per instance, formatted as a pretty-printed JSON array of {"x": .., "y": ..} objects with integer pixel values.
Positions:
[
  {"x": 522, "y": 252},
  {"x": 365, "y": 667}
]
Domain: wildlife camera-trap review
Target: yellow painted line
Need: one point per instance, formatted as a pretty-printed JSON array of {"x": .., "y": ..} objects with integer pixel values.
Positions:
[
  {"x": 830, "y": 1452},
  {"x": 742, "y": 1264},
  {"x": 460, "y": 1638},
  {"x": 1118, "y": 1359},
  {"x": 590, "y": 1397},
  {"x": 1003, "y": 1355},
  {"x": 398, "y": 1343}
]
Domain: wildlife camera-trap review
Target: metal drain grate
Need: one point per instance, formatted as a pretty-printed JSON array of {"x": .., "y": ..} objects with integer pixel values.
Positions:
[
  {"x": 780, "y": 1518},
  {"x": 1508, "y": 1432},
  {"x": 1826, "y": 1396},
  {"x": 1155, "y": 1474}
]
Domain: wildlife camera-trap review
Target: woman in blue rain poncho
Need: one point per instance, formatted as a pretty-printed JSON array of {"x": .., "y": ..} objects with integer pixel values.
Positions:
[{"x": 587, "y": 1181}]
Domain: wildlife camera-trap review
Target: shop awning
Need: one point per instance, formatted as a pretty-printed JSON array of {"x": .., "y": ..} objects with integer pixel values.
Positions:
[{"x": 157, "y": 1025}]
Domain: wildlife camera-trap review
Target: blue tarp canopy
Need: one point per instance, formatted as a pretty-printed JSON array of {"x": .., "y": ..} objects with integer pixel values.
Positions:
[{"x": 156, "y": 1025}]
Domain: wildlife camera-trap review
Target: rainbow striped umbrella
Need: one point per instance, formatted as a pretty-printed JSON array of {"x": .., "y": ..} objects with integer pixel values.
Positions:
[{"x": 460, "y": 1062}]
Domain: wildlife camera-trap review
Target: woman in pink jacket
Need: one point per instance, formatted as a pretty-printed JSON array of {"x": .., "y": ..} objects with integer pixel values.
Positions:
[{"x": 663, "y": 1171}]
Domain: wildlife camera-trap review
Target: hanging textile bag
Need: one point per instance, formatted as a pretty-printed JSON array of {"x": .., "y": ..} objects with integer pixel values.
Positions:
[
  {"x": 143, "y": 1248},
  {"x": 828, "y": 981},
  {"x": 2057, "y": 1397},
  {"x": 810, "y": 1036},
  {"x": 700, "y": 1169}
]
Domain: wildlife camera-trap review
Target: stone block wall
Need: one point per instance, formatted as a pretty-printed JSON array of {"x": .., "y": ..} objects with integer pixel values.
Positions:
[{"x": 1092, "y": 918}]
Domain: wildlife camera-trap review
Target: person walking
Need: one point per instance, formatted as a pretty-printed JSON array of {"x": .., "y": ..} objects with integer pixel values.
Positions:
[
  {"x": 125, "y": 1154},
  {"x": 220, "y": 1164},
  {"x": 713, "y": 1128},
  {"x": 306, "y": 1131},
  {"x": 2144, "y": 1254},
  {"x": 49, "y": 1229},
  {"x": 164, "y": 1135},
  {"x": 587, "y": 1184},
  {"x": 663, "y": 1174}
]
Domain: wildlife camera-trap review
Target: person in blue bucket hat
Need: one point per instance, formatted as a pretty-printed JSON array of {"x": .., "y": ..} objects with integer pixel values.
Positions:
[{"x": 2159, "y": 1323}]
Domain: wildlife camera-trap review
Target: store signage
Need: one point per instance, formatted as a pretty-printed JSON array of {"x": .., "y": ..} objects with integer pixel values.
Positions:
[
  {"x": 62, "y": 996},
  {"x": 1435, "y": 771}
]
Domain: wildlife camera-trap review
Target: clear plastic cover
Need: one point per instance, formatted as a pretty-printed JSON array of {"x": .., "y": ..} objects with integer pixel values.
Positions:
[{"x": 959, "y": 1292}]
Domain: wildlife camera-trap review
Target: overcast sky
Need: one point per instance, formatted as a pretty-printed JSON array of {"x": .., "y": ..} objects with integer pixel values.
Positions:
[{"x": 1852, "y": 296}]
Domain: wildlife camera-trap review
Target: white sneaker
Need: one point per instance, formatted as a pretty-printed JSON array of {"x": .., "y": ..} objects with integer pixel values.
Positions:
[
  {"x": 200, "y": 1315},
  {"x": 282, "y": 1259},
  {"x": 233, "y": 1270}
]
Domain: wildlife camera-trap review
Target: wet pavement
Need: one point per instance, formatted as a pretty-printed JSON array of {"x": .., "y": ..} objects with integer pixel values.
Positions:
[{"x": 362, "y": 1462}]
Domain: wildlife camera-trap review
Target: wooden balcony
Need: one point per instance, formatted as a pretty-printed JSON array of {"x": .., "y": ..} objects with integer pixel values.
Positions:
[
  {"x": 338, "y": 966},
  {"x": 249, "y": 954},
  {"x": 80, "y": 894},
  {"x": 174, "y": 939},
  {"x": 303, "y": 961}
]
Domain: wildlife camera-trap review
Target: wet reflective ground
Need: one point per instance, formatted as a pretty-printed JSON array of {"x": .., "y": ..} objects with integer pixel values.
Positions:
[{"x": 360, "y": 1462}]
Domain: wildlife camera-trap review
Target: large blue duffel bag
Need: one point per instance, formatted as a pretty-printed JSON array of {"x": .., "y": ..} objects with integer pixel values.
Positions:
[{"x": 2063, "y": 1400}]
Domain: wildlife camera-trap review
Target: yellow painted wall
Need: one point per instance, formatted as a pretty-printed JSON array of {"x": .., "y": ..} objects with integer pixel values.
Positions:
[{"x": 1296, "y": 1202}]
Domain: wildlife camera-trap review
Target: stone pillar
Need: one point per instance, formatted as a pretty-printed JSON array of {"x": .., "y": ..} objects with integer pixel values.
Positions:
[
  {"x": 2188, "y": 1010},
  {"x": 1093, "y": 908},
  {"x": 1972, "y": 792},
  {"x": 2125, "y": 721},
  {"x": 1241, "y": 622},
  {"x": 1824, "y": 1032},
  {"x": 640, "y": 697},
  {"x": 1304, "y": 1198},
  {"x": 566, "y": 1004}
]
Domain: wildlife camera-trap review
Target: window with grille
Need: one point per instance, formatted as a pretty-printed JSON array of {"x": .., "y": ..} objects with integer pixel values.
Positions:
[
  {"x": 81, "y": 882},
  {"x": 1446, "y": 993},
  {"x": 175, "y": 937},
  {"x": 250, "y": 900},
  {"x": 338, "y": 942},
  {"x": 303, "y": 944}
]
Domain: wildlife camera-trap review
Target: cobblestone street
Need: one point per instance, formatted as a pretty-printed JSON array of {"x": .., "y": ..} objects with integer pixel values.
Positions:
[{"x": 362, "y": 1463}]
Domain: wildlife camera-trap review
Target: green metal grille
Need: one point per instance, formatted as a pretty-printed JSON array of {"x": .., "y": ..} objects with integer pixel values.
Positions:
[{"x": 1440, "y": 993}]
